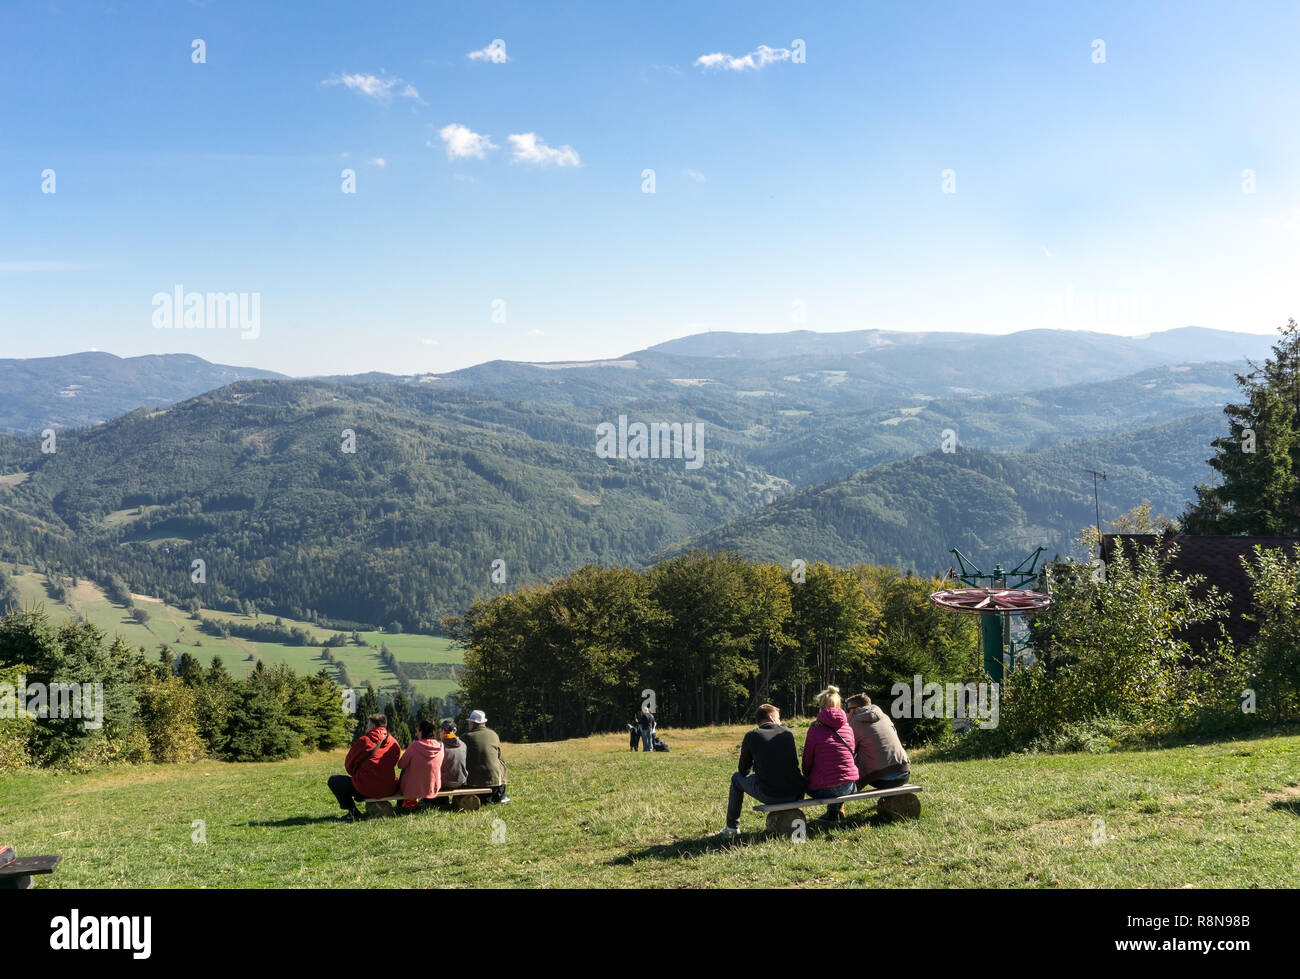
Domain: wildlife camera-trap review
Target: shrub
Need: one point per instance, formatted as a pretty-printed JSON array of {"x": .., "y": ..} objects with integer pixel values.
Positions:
[{"x": 169, "y": 713}]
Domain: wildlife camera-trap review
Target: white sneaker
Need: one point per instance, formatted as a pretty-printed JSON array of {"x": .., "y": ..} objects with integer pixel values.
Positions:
[{"x": 729, "y": 831}]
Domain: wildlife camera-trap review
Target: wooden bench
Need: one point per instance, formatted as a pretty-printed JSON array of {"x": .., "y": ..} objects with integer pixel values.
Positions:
[
  {"x": 898, "y": 802},
  {"x": 464, "y": 800},
  {"x": 16, "y": 874}
]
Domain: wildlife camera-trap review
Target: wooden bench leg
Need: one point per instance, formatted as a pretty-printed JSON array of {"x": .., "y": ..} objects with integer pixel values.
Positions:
[
  {"x": 900, "y": 806},
  {"x": 466, "y": 803},
  {"x": 783, "y": 822}
]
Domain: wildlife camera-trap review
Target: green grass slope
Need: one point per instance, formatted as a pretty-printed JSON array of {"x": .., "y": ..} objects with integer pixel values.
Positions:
[{"x": 590, "y": 813}]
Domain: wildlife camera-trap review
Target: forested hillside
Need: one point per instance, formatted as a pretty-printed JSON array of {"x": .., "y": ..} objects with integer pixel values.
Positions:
[
  {"x": 255, "y": 481},
  {"x": 449, "y": 475},
  {"x": 993, "y": 506}
]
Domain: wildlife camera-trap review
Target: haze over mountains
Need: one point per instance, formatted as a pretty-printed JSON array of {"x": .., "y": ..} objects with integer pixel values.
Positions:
[
  {"x": 92, "y": 387},
  {"x": 817, "y": 446},
  {"x": 806, "y": 368}
]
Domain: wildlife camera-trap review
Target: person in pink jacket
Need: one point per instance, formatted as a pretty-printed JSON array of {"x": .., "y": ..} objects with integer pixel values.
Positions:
[
  {"x": 421, "y": 767},
  {"x": 828, "y": 755}
]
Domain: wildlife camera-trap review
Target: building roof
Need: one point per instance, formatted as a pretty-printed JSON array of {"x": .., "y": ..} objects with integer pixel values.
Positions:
[{"x": 1217, "y": 558}]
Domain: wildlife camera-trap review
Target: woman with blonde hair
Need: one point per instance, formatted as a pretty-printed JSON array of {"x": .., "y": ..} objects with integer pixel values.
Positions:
[{"x": 828, "y": 754}]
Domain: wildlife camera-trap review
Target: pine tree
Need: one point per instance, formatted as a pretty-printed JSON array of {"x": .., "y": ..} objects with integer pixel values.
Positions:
[
  {"x": 1259, "y": 459},
  {"x": 259, "y": 726},
  {"x": 399, "y": 718},
  {"x": 367, "y": 704}
]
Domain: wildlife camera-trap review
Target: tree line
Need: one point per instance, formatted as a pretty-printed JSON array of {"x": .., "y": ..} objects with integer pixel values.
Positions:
[
  {"x": 165, "y": 710},
  {"x": 706, "y": 637}
]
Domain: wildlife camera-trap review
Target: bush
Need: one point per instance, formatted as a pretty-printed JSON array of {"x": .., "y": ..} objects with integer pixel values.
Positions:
[
  {"x": 1113, "y": 670},
  {"x": 15, "y": 731},
  {"x": 169, "y": 713},
  {"x": 1275, "y": 653}
]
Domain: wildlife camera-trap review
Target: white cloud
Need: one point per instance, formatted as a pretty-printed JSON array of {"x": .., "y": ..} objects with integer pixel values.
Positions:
[
  {"x": 461, "y": 142},
  {"x": 1045, "y": 251},
  {"x": 535, "y": 333},
  {"x": 494, "y": 52},
  {"x": 531, "y": 148},
  {"x": 375, "y": 88},
  {"x": 760, "y": 57},
  {"x": 378, "y": 161},
  {"x": 695, "y": 175}
]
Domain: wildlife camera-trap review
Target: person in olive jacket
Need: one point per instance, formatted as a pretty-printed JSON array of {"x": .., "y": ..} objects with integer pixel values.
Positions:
[{"x": 487, "y": 770}]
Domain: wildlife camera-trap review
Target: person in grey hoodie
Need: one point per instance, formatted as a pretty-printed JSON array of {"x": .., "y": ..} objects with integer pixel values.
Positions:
[
  {"x": 882, "y": 760},
  {"x": 454, "y": 769}
]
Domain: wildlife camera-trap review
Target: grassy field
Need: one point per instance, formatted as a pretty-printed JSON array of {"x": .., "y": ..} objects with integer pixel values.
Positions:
[
  {"x": 590, "y": 813},
  {"x": 174, "y": 627}
]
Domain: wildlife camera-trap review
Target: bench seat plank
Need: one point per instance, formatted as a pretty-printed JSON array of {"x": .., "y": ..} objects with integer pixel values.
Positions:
[
  {"x": 810, "y": 803},
  {"x": 441, "y": 795},
  {"x": 26, "y": 866}
]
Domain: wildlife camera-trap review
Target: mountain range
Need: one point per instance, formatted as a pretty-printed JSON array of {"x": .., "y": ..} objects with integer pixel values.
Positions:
[{"x": 384, "y": 499}]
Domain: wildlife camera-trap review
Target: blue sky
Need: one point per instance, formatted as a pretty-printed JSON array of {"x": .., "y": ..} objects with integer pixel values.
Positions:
[{"x": 788, "y": 194}]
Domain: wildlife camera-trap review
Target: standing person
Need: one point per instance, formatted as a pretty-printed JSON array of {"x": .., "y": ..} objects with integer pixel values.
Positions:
[
  {"x": 487, "y": 769},
  {"x": 828, "y": 755},
  {"x": 880, "y": 756},
  {"x": 769, "y": 767},
  {"x": 454, "y": 770},
  {"x": 645, "y": 723},
  {"x": 369, "y": 765},
  {"x": 634, "y": 735},
  {"x": 421, "y": 766}
]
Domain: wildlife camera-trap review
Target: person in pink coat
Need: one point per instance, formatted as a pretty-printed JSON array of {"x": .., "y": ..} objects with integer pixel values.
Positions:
[
  {"x": 421, "y": 767},
  {"x": 828, "y": 755}
]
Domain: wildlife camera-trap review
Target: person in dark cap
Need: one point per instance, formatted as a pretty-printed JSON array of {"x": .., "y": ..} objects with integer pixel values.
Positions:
[{"x": 454, "y": 769}]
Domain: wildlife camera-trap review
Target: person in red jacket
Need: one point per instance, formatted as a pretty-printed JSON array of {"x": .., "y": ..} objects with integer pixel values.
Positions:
[{"x": 371, "y": 765}]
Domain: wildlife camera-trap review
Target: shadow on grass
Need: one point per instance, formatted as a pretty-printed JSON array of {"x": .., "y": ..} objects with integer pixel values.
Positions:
[
  {"x": 719, "y": 844},
  {"x": 1286, "y": 805},
  {"x": 298, "y": 821}
]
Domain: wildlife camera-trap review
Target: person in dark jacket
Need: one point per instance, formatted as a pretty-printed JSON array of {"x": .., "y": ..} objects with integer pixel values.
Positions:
[
  {"x": 454, "y": 770},
  {"x": 487, "y": 769},
  {"x": 769, "y": 767},
  {"x": 371, "y": 767},
  {"x": 634, "y": 735},
  {"x": 645, "y": 722}
]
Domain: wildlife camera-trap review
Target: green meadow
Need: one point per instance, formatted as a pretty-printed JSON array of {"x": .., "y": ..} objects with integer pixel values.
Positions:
[
  {"x": 590, "y": 813},
  {"x": 175, "y": 628}
]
